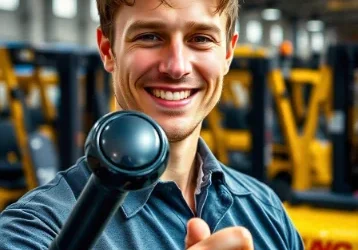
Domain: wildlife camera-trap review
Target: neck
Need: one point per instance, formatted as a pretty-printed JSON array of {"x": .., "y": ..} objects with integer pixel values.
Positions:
[{"x": 182, "y": 166}]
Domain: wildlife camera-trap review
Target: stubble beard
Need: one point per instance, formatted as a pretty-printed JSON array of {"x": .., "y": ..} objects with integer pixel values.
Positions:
[{"x": 177, "y": 135}]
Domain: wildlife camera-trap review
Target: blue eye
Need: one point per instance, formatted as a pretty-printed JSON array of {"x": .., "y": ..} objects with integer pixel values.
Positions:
[
  {"x": 201, "y": 39},
  {"x": 148, "y": 37}
]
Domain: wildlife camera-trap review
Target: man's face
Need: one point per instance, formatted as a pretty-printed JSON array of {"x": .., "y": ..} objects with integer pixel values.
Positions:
[{"x": 169, "y": 62}]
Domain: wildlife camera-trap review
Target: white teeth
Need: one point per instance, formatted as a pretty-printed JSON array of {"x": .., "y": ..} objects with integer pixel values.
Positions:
[
  {"x": 168, "y": 96},
  {"x": 176, "y": 96},
  {"x": 171, "y": 96},
  {"x": 182, "y": 95}
]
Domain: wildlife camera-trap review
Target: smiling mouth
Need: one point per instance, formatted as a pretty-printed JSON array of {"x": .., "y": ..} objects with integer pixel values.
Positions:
[{"x": 171, "y": 95}]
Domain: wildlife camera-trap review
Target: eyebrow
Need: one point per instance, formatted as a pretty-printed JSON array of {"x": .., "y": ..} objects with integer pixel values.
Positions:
[
  {"x": 203, "y": 27},
  {"x": 143, "y": 25}
]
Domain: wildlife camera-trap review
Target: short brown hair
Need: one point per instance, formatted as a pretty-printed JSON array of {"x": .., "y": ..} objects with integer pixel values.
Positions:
[{"x": 108, "y": 8}]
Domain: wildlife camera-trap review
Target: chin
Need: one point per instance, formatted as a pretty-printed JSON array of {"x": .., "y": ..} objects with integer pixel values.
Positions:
[
  {"x": 178, "y": 131},
  {"x": 176, "y": 136}
]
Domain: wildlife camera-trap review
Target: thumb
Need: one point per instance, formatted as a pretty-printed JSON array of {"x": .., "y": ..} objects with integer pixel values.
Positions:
[{"x": 197, "y": 230}]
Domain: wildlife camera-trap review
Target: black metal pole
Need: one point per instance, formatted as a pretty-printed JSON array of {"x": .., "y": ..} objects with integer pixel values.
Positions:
[
  {"x": 341, "y": 62},
  {"x": 260, "y": 113},
  {"x": 94, "y": 208},
  {"x": 69, "y": 110}
]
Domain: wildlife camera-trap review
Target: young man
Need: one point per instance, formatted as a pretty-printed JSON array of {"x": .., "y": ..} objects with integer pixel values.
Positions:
[{"x": 168, "y": 60}]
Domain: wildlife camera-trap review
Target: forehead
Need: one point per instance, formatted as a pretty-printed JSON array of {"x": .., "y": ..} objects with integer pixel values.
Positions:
[{"x": 178, "y": 13}]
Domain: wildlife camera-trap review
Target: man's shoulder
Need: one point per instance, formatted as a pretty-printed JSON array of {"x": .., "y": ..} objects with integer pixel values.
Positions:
[
  {"x": 34, "y": 219},
  {"x": 243, "y": 184},
  {"x": 64, "y": 188}
]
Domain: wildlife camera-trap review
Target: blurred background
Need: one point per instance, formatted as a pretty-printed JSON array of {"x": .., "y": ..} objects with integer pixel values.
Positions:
[
  {"x": 288, "y": 115},
  {"x": 310, "y": 25}
]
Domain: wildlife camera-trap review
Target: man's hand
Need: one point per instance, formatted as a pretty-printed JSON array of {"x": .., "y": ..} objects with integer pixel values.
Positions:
[{"x": 232, "y": 238}]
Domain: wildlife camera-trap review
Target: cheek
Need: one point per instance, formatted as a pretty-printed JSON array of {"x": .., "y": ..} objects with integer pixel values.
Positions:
[
  {"x": 211, "y": 68},
  {"x": 137, "y": 63}
]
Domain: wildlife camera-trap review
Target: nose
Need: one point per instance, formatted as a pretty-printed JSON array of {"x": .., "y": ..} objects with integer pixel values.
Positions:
[{"x": 175, "y": 62}]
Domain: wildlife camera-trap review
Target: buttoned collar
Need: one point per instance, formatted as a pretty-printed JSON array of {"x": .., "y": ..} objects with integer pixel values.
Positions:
[{"x": 210, "y": 167}]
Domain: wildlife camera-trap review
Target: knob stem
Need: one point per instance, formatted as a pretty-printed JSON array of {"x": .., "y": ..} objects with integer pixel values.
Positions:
[{"x": 90, "y": 215}]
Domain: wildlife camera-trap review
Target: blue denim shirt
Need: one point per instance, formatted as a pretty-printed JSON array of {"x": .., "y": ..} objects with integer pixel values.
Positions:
[{"x": 156, "y": 217}]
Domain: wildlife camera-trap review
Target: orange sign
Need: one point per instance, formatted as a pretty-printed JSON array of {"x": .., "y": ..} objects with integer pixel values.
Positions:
[{"x": 318, "y": 244}]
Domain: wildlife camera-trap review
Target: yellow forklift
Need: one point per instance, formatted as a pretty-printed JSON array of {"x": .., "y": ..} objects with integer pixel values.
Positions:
[
  {"x": 229, "y": 121},
  {"x": 23, "y": 130},
  {"x": 326, "y": 219},
  {"x": 305, "y": 121},
  {"x": 54, "y": 124},
  {"x": 227, "y": 129},
  {"x": 85, "y": 91},
  {"x": 38, "y": 85},
  {"x": 27, "y": 157}
]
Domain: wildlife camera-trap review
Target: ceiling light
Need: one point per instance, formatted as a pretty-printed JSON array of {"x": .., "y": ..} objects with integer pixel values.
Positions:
[
  {"x": 315, "y": 25},
  {"x": 271, "y": 14},
  {"x": 254, "y": 31},
  {"x": 9, "y": 5}
]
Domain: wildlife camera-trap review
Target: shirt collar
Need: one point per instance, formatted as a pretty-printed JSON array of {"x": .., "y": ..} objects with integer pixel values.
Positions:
[
  {"x": 213, "y": 169},
  {"x": 209, "y": 168}
]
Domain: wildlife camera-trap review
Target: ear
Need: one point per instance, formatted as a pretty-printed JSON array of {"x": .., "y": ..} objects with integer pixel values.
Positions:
[
  {"x": 104, "y": 47},
  {"x": 230, "y": 51}
]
